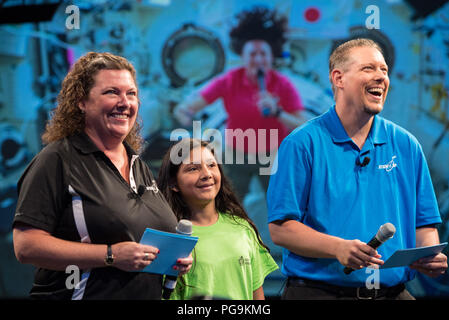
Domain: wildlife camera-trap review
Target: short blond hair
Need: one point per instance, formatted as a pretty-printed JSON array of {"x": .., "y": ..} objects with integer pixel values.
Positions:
[{"x": 340, "y": 55}]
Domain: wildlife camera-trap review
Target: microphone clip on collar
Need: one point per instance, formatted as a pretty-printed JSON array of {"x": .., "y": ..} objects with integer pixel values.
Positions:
[
  {"x": 364, "y": 163},
  {"x": 142, "y": 188}
]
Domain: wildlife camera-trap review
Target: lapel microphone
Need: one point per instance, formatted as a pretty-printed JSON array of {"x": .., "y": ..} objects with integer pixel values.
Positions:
[{"x": 364, "y": 163}]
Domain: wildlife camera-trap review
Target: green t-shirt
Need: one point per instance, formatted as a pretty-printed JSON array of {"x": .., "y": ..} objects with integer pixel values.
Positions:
[{"x": 228, "y": 262}]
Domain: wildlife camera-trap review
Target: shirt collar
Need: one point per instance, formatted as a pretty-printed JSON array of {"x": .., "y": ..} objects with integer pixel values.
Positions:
[
  {"x": 336, "y": 128},
  {"x": 83, "y": 143},
  {"x": 377, "y": 133}
]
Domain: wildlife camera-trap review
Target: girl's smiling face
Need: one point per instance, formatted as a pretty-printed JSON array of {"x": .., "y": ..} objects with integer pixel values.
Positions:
[{"x": 198, "y": 178}]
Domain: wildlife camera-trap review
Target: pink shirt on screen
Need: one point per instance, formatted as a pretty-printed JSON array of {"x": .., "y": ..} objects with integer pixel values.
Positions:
[{"x": 240, "y": 96}]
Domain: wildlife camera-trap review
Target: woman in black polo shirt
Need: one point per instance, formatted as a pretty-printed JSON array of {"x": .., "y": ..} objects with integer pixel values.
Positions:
[{"x": 86, "y": 198}]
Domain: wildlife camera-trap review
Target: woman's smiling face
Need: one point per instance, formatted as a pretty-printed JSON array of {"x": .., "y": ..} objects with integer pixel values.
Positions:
[{"x": 112, "y": 105}]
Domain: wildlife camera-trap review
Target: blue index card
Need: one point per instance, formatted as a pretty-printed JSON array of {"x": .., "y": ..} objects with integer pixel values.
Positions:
[
  {"x": 406, "y": 257},
  {"x": 172, "y": 246}
]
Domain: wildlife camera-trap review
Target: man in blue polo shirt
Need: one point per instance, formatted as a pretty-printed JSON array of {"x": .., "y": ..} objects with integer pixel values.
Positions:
[{"x": 346, "y": 173}]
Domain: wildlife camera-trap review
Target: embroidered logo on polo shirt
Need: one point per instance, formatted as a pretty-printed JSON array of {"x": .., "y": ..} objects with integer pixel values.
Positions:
[
  {"x": 141, "y": 190},
  {"x": 153, "y": 187},
  {"x": 389, "y": 166},
  {"x": 243, "y": 261}
]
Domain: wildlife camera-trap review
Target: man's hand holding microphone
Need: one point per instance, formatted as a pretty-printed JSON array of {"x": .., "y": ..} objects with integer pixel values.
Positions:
[{"x": 355, "y": 254}]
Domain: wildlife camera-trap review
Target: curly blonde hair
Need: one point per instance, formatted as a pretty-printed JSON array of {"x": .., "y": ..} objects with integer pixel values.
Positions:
[{"x": 67, "y": 118}]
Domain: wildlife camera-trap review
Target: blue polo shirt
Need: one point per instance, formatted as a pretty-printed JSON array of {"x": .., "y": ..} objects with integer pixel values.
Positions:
[{"x": 320, "y": 183}]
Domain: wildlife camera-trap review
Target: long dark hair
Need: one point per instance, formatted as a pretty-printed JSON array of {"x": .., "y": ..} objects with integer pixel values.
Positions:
[{"x": 226, "y": 202}]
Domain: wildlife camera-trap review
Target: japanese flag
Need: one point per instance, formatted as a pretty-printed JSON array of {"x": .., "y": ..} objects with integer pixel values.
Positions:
[{"x": 321, "y": 19}]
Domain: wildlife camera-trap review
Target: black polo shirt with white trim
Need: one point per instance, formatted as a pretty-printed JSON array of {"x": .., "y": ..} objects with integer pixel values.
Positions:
[{"x": 73, "y": 191}]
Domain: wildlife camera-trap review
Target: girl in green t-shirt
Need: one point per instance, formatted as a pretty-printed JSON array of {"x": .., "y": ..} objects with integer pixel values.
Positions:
[{"x": 230, "y": 259}]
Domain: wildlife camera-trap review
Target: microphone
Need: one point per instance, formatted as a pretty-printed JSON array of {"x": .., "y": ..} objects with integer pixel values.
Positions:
[
  {"x": 184, "y": 227},
  {"x": 364, "y": 163},
  {"x": 141, "y": 190},
  {"x": 385, "y": 232},
  {"x": 261, "y": 82}
]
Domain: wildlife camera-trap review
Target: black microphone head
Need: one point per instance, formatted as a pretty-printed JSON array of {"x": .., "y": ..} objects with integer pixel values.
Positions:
[
  {"x": 366, "y": 161},
  {"x": 386, "y": 231},
  {"x": 261, "y": 80},
  {"x": 141, "y": 190},
  {"x": 184, "y": 227}
]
